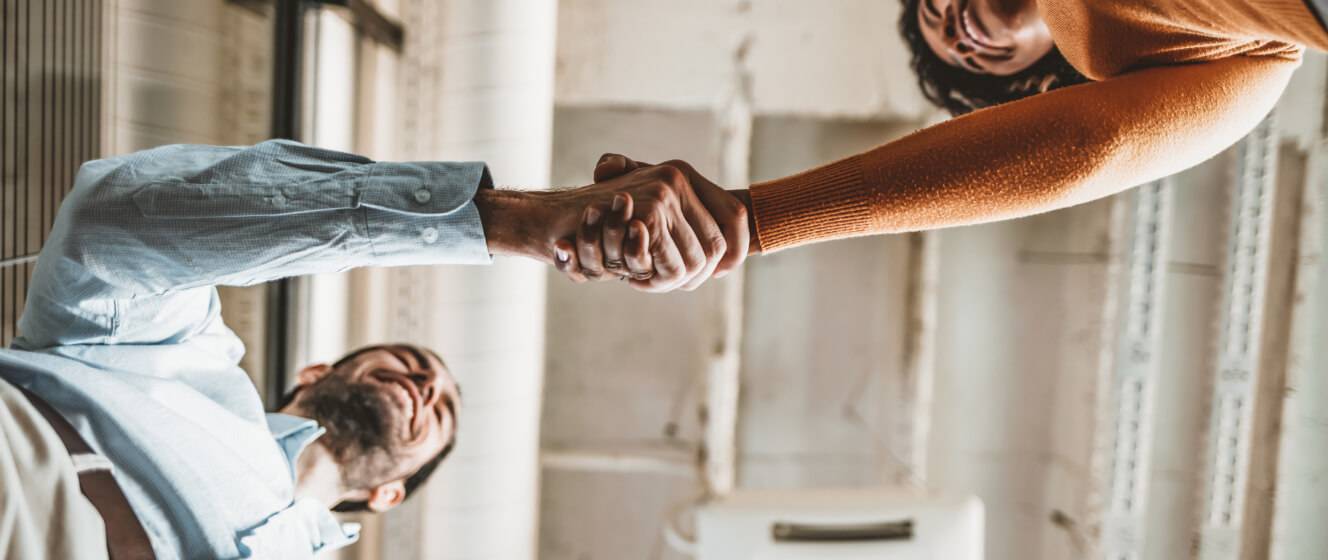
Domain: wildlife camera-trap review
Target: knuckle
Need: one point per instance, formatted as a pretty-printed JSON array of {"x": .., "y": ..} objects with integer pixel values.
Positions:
[
  {"x": 656, "y": 191},
  {"x": 678, "y": 164},
  {"x": 716, "y": 245},
  {"x": 670, "y": 269},
  {"x": 739, "y": 212},
  {"x": 670, "y": 194},
  {"x": 588, "y": 262},
  {"x": 670, "y": 174},
  {"x": 695, "y": 252},
  {"x": 588, "y": 236},
  {"x": 657, "y": 218}
]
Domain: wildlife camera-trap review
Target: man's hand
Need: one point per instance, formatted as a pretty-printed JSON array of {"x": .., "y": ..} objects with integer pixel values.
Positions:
[
  {"x": 675, "y": 236},
  {"x": 728, "y": 208}
]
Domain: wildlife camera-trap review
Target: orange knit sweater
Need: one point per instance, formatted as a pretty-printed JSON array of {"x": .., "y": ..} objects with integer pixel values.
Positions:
[{"x": 1175, "y": 82}]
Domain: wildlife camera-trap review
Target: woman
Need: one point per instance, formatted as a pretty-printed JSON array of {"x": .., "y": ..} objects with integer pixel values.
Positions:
[{"x": 1115, "y": 94}]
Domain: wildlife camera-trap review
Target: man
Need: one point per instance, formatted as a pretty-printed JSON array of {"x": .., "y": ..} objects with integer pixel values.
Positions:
[{"x": 124, "y": 384}]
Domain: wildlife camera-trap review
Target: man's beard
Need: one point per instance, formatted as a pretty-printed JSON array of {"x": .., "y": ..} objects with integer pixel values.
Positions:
[{"x": 358, "y": 419}]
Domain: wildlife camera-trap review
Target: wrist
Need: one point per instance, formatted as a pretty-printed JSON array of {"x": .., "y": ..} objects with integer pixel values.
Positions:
[
  {"x": 509, "y": 218},
  {"x": 745, "y": 196},
  {"x": 527, "y": 223}
]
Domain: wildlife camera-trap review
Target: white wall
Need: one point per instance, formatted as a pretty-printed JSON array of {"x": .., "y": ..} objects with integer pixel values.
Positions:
[
  {"x": 169, "y": 73},
  {"x": 1018, "y": 333},
  {"x": 835, "y": 57},
  {"x": 477, "y": 85}
]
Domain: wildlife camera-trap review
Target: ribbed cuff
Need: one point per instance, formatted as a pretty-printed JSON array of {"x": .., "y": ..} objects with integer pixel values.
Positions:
[{"x": 823, "y": 203}]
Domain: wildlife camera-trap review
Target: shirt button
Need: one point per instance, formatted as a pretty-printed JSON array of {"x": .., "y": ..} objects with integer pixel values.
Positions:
[
  {"x": 422, "y": 196},
  {"x": 429, "y": 235}
]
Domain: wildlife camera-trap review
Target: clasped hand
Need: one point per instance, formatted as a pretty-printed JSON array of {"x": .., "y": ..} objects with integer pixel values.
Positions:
[
  {"x": 659, "y": 227},
  {"x": 677, "y": 232}
]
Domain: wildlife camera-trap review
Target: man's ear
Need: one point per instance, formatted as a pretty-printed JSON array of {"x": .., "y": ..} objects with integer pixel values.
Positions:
[
  {"x": 386, "y": 496},
  {"x": 312, "y": 373}
]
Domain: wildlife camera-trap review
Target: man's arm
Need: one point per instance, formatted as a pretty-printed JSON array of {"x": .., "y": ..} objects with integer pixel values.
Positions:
[{"x": 142, "y": 238}]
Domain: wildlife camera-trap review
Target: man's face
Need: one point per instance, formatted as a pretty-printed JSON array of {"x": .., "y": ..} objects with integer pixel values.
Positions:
[{"x": 387, "y": 411}]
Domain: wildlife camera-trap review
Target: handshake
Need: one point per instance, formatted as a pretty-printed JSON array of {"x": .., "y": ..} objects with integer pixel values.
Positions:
[{"x": 657, "y": 227}]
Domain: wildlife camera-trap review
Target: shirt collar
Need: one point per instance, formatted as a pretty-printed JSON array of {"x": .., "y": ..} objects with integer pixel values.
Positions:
[
  {"x": 329, "y": 534},
  {"x": 293, "y": 435}
]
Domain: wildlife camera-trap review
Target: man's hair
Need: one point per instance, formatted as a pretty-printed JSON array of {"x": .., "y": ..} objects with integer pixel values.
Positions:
[
  {"x": 961, "y": 91},
  {"x": 415, "y": 480}
]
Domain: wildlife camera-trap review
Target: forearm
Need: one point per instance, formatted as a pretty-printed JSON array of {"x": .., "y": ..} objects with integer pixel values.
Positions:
[
  {"x": 509, "y": 222},
  {"x": 522, "y": 223},
  {"x": 1047, "y": 152}
]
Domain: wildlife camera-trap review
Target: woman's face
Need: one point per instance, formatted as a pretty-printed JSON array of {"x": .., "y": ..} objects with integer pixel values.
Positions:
[{"x": 998, "y": 37}]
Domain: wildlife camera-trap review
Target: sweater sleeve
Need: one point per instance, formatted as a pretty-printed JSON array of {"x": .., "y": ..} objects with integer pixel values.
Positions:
[{"x": 1043, "y": 153}]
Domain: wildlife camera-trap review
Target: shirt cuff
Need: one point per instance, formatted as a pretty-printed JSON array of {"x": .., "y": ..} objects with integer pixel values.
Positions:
[{"x": 425, "y": 213}]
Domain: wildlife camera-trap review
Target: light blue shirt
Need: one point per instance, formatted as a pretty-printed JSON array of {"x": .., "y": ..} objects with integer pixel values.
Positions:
[{"x": 122, "y": 331}]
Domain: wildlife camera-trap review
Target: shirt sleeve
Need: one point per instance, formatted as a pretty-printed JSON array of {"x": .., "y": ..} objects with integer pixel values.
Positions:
[
  {"x": 1046, "y": 152},
  {"x": 142, "y": 239}
]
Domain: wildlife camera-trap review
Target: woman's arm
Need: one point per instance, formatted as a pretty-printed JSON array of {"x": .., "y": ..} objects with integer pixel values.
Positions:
[{"x": 1043, "y": 153}]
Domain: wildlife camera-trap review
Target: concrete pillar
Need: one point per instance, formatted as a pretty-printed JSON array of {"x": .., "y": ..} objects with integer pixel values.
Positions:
[
  {"x": 1131, "y": 367},
  {"x": 1302, "y": 493},
  {"x": 477, "y": 84},
  {"x": 1233, "y": 517}
]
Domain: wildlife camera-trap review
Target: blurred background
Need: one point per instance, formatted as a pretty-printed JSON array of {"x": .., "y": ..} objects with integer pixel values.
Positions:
[{"x": 1137, "y": 378}]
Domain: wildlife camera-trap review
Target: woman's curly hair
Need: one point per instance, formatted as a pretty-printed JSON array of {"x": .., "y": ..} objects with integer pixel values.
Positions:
[{"x": 960, "y": 91}]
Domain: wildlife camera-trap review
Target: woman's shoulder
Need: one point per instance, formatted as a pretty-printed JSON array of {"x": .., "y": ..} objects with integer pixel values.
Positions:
[{"x": 1105, "y": 39}]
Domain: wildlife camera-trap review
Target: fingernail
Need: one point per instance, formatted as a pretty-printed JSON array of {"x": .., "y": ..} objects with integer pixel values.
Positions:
[
  {"x": 592, "y": 216},
  {"x": 631, "y": 233},
  {"x": 562, "y": 255},
  {"x": 618, "y": 203}
]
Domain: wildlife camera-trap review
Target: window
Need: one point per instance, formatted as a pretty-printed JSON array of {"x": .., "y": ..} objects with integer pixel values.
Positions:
[{"x": 50, "y": 122}]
